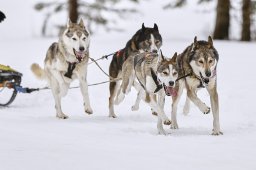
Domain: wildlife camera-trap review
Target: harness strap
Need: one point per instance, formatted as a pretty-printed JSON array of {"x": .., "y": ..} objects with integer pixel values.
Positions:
[
  {"x": 154, "y": 76},
  {"x": 184, "y": 76},
  {"x": 136, "y": 61},
  {"x": 71, "y": 67}
]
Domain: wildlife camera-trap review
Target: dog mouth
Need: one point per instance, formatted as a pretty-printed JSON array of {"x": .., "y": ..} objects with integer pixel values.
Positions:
[
  {"x": 79, "y": 55},
  {"x": 205, "y": 80},
  {"x": 170, "y": 91}
]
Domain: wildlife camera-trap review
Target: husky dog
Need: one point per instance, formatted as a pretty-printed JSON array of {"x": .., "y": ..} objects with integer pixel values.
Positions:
[
  {"x": 156, "y": 78},
  {"x": 144, "y": 40},
  {"x": 198, "y": 64},
  {"x": 65, "y": 61}
]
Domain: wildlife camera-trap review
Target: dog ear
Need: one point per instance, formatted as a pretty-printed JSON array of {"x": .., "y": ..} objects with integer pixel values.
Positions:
[
  {"x": 155, "y": 27},
  {"x": 174, "y": 58},
  {"x": 143, "y": 27},
  {"x": 69, "y": 23},
  {"x": 81, "y": 23},
  {"x": 195, "y": 44},
  {"x": 161, "y": 58},
  {"x": 210, "y": 42}
]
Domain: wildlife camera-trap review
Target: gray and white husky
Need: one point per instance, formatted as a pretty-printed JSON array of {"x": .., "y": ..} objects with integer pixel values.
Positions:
[
  {"x": 198, "y": 64},
  {"x": 153, "y": 76},
  {"x": 65, "y": 61}
]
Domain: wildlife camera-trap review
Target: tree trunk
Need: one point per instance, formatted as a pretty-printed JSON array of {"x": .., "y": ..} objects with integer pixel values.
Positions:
[
  {"x": 246, "y": 25},
  {"x": 73, "y": 10},
  {"x": 221, "y": 31}
]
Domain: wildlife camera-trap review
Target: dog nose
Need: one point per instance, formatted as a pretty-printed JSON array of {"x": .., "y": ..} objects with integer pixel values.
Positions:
[
  {"x": 81, "y": 48},
  {"x": 171, "y": 83},
  {"x": 208, "y": 73},
  {"x": 154, "y": 51}
]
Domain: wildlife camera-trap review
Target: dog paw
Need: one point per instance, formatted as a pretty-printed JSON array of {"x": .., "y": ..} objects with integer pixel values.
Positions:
[
  {"x": 154, "y": 113},
  {"x": 112, "y": 115},
  {"x": 174, "y": 125},
  {"x": 62, "y": 116},
  {"x": 167, "y": 122},
  {"x": 216, "y": 133},
  {"x": 88, "y": 111},
  {"x": 134, "y": 108},
  {"x": 205, "y": 109}
]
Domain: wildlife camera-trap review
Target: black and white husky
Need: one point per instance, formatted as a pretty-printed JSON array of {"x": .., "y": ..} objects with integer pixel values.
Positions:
[{"x": 66, "y": 60}]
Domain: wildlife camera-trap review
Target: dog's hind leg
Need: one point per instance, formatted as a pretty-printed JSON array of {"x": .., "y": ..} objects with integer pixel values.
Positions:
[{"x": 186, "y": 107}]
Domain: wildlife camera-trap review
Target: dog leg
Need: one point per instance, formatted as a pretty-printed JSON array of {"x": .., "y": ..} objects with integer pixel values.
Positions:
[
  {"x": 136, "y": 106},
  {"x": 113, "y": 87},
  {"x": 186, "y": 107},
  {"x": 175, "y": 101},
  {"x": 215, "y": 110},
  {"x": 160, "y": 128},
  {"x": 84, "y": 90},
  {"x": 55, "y": 81},
  {"x": 191, "y": 93},
  {"x": 160, "y": 112}
]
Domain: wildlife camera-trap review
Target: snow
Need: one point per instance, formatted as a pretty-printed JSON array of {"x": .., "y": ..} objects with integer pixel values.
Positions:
[{"x": 31, "y": 137}]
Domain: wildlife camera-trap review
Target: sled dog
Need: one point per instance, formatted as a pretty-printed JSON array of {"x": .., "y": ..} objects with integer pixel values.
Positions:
[
  {"x": 66, "y": 60},
  {"x": 198, "y": 64},
  {"x": 144, "y": 40},
  {"x": 153, "y": 76}
]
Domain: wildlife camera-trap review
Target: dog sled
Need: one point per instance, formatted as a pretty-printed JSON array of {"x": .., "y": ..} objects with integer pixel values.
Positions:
[{"x": 10, "y": 81}]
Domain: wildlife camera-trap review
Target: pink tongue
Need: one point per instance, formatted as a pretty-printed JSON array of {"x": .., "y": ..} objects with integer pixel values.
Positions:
[{"x": 170, "y": 91}]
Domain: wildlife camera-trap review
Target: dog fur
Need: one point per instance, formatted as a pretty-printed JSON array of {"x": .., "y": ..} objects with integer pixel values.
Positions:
[
  {"x": 72, "y": 50},
  {"x": 199, "y": 61},
  {"x": 144, "y": 40},
  {"x": 140, "y": 68}
]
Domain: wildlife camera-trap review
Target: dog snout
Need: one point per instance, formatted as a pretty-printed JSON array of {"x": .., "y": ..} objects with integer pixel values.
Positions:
[
  {"x": 154, "y": 51},
  {"x": 81, "y": 48},
  {"x": 171, "y": 83},
  {"x": 208, "y": 73}
]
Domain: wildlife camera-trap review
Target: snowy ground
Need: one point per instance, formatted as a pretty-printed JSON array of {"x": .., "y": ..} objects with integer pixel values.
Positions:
[{"x": 32, "y": 138}]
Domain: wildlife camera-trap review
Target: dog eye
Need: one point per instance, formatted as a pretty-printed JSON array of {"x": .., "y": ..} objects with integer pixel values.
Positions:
[
  {"x": 165, "y": 73},
  {"x": 157, "y": 41},
  {"x": 74, "y": 39},
  {"x": 201, "y": 61},
  {"x": 175, "y": 73},
  {"x": 84, "y": 39},
  {"x": 210, "y": 61}
]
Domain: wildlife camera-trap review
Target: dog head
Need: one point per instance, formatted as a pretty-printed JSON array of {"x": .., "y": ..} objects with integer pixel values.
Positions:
[
  {"x": 167, "y": 73},
  {"x": 203, "y": 59},
  {"x": 147, "y": 39},
  {"x": 76, "y": 39}
]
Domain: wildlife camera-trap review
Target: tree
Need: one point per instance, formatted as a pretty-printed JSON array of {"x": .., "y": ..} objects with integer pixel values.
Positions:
[
  {"x": 222, "y": 24},
  {"x": 73, "y": 10},
  {"x": 246, "y": 23},
  {"x": 93, "y": 11}
]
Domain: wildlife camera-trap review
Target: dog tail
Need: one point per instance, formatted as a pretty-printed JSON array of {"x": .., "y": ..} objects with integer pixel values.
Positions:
[{"x": 38, "y": 71}]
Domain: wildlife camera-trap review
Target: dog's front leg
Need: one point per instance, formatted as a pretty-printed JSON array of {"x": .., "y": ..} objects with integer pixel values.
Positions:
[
  {"x": 59, "y": 89},
  {"x": 84, "y": 90},
  {"x": 215, "y": 110},
  {"x": 160, "y": 112},
  {"x": 175, "y": 100},
  {"x": 191, "y": 93}
]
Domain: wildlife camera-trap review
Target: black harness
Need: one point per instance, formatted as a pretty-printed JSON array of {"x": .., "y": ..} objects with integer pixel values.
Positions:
[{"x": 71, "y": 67}]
